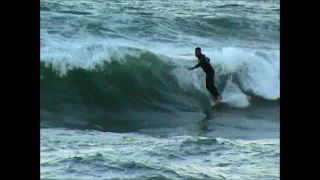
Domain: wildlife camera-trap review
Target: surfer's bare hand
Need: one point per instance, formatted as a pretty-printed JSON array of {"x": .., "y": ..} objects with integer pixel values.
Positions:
[{"x": 190, "y": 69}]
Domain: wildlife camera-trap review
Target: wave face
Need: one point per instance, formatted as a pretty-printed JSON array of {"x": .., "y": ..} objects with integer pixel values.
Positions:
[{"x": 133, "y": 85}]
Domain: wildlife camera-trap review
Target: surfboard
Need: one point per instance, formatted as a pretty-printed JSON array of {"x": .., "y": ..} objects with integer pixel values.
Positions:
[
  {"x": 237, "y": 101},
  {"x": 218, "y": 103}
]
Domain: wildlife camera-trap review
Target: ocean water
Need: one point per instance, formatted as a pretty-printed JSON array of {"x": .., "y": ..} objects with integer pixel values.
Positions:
[{"x": 117, "y": 100}]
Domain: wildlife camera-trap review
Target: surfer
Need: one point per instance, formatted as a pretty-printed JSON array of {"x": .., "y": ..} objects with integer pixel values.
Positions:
[{"x": 204, "y": 63}]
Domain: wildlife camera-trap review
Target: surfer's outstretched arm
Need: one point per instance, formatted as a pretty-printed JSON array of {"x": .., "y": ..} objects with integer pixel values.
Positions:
[
  {"x": 202, "y": 62},
  {"x": 196, "y": 66}
]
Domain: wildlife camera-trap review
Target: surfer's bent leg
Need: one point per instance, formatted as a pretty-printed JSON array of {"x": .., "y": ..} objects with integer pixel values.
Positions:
[{"x": 211, "y": 87}]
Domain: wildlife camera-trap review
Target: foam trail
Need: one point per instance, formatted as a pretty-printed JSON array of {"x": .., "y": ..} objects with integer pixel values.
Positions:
[
  {"x": 233, "y": 96},
  {"x": 257, "y": 74}
]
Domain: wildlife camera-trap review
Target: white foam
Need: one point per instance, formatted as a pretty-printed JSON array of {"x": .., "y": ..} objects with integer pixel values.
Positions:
[
  {"x": 233, "y": 96},
  {"x": 257, "y": 74}
]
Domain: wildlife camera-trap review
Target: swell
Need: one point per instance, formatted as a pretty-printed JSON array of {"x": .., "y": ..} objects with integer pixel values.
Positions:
[
  {"x": 160, "y": 22},
  {"x": 123, "y": 94}
]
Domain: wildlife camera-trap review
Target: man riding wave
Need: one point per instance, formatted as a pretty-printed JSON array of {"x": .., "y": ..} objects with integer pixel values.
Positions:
[{"x": 204, "y": 63}]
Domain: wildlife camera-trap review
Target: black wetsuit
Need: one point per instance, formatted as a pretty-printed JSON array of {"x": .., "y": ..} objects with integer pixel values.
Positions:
[{"x": 204, "y": 63}]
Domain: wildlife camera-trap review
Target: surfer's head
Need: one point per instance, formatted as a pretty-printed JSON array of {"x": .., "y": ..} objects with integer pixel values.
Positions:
[{"x": 197, "y": 51}]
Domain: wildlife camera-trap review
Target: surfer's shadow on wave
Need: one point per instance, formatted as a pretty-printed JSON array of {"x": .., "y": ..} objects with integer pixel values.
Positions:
[{"x": 206, "y": 123}]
